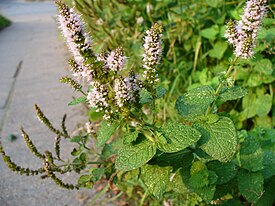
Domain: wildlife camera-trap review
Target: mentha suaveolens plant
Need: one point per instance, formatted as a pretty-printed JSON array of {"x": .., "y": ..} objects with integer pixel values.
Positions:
[{"x": 176, "y": 160}]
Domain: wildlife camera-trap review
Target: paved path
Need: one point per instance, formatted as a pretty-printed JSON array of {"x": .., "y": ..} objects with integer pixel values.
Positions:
[{"x": 31, "y": 62}]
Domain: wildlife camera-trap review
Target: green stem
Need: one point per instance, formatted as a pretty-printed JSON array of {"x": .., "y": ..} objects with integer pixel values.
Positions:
[
  {"x": 154, "y": 110},
  {"x": 220, "y": 86},
  {"x": 80, "y": 90},
  {"x": 143, "y": 198}
]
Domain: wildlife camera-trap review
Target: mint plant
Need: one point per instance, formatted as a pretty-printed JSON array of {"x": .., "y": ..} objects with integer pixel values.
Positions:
[{"x": 195, "y": 158}]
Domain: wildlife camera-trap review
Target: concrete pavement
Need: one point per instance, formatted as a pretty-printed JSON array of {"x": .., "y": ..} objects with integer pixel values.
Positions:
[{"x": 31, "y": 62}]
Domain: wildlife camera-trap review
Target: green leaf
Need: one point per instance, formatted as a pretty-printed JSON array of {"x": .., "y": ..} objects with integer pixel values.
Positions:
[
  {"x": 199, "y": 179},
  {"x": 111, "y": 148},
  {"x": 84, "y": 157},
  {"x": 105, "y": 132},
  {"x": 199, "y": 175},
  {"x": 177, "y": 183},
  {"x": 130, "y": 137},
  {"x": 251, "y": 155},
  {"x": 269, "y": 164},
  {"x": 268, "y": 197},
  {"x": 94, "y": 115},
  {"x": 218, "y": 49},
  {"x": 133, "y": 156},
  {"x": 97, "y": 173},
  {"x": 206, "y": 193},
  {"x": 160, "y": 92},
  {"x": 78, "y": 101},
  {"x": 254, "y": 79},
  {"x": 145, "y": 97},
  {"x": 232, "y": 93},
  {"x": 248, "y": 104},
  {"x": 212, "y": 118},
  {"x": 182, "y": 159},
  {"x": 178, "y": 137},
  {"x": 197, "y": 166},
  {"x": 85, "y": 181},
  {"x": 251, "y": 185},
  {"x": 212, "y": 177},
  {"x": 264, "y": 66},
  {"x": 263, "y": 104},
  {"x": 219, "y": 140},
  {"x": 210, "y": 33},
  {"x": 156, "y": 179},
  {"x": 75, "y": 139},
  {"x": 76, "y": 152},
  {"x": 225, "y": 171},
  {"x": 215, "y": 3},
  {"x": 195, "y": 102},
  {"x": 78, "y": 165}
]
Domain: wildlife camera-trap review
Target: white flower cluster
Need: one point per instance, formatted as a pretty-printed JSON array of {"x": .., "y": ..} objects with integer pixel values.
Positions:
[
  {"x": 152, "y": 53},
  {"x": 121, "y": 92},
  {"x": 242, "y": 34},
  {"x": 114, "y": 61},
  {"x": 98, "y": 96},
  {"x": 134, "y": 86},
  {"x": 81, "y": 72},
  {"x": 90, "y": 127},
  {"x": 77, "y": 39},
  {"x": 126, "y": 90}
]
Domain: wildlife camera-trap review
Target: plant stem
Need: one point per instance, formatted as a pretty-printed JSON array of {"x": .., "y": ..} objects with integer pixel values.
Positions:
[
  {"x": 220, "y": 86},
  {"x": 154, "y": 105},
  {"x": 143, "y": 197}
]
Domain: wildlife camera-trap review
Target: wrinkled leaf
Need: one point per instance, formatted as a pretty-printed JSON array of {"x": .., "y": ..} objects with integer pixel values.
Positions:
[
  {"x": 206, "y": 193},
  {"x": 225, "y": 171},
  {"x": 178, "y": 137},
  {"x": 269, "y": 164},
  {"x": 160, "y": 92},
  {"x": 268, "y": 197},
  {"x": 250, "y": 185},
  {"x": 251, "y": 155},
  {"x": 212, "y": 118},
  {"x": 156, "y": 179},
  {"x": 176, "y": 183},
  {"x": 130, "y": 137},
  {"x": 219, "y": 140},
  {"x": 232, "y": 93},
  {"x": 105, "y": 132},
  {"x": 199, "y": 179},
  {"x": 145, "y": 97},
  {"x": 133, "y": 156},
  {"x": 195, "y": 102}
]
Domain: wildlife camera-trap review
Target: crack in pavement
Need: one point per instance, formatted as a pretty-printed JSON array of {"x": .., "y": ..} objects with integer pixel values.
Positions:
[{"x": 10, "y": 95}]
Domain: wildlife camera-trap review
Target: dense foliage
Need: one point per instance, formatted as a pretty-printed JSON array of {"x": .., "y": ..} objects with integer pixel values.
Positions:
[
  {"x": 4, "y": 22},
  {"x": 182, "y": 137}
]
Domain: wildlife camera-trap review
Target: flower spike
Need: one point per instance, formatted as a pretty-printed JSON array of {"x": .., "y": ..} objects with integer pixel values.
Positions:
[{"x": 243, "y": 33}]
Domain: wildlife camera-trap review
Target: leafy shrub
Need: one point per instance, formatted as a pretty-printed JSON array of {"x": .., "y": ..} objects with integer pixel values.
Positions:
[
  {"x": 4, "y": 22},
  {"x": 212, "y": 148}
]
